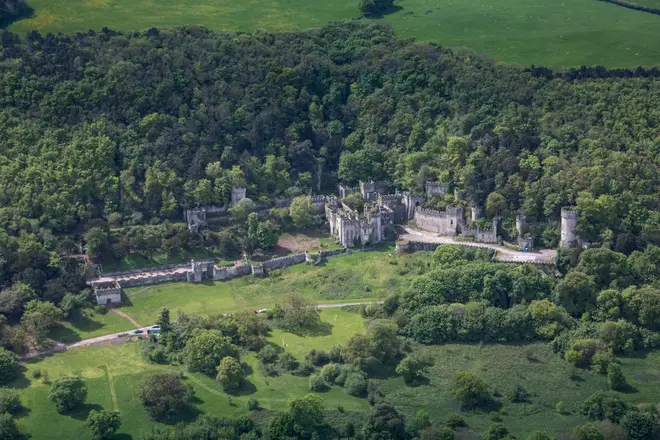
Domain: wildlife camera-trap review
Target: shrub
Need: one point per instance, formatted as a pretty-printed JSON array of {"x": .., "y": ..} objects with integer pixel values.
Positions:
[
  {"x": 520, "y": 395},
  {"x": 230, "y": 373},
  {"x": 268, "y": 354},
  {"x": 470, "y": 390},
  {"x": 304, "y": 369},
  {"x": 9, "y": 366},
  {"x": 560, "y": 407},
  {"x": 345, "y": 371},
  {"x": 455, "y": 421},
  {"x": 10, "y": 401},
  {"x": 318, "y": 357},
  {"x": 252, "y": 404},
  {"x": 411, "y": 368},
  {"x": 335, "y": 354},
  {"x": 356, "y": 385},
  {"x": 103, "y": 424},
  {"x": 330, "y": 372},
  {"x": 163, "y": 395},
  {"x": 615, "y": 377},
  {"x": 8, "y": 428},
  {"x": 36, "y": 373},
  {"x": 601, "y": 361},
  {"x": 288, "y": 362},
  {"x": 316, "y": 383},
  {"x": 67, "y": 393},
  {"x": 601, "y": 406}
]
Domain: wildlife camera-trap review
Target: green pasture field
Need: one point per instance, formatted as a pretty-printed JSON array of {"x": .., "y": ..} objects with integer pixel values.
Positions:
[
  {"x": 112, "y": 373},
  {"x": 359, "y": 277},
  {"x": 535, "y": 367},
  {"x": 558, "y": 33}
]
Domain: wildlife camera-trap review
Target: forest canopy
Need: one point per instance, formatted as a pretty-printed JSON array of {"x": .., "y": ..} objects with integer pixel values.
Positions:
[{"x": 137, "y": 127}]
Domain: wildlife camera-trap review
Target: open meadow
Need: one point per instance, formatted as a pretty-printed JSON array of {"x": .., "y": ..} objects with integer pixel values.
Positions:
[
  {"x": 113, "y": 371},
  {"x": 359, "y": 277},
  {"x": 565, "y": 33}
]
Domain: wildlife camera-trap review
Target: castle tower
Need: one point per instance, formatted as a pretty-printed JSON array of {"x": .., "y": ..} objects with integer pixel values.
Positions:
[
  {"x": 475, "y": 213},
  {"x": 521, "y": 225},
  {"x": 237, "y": 194},
  {"x": 568, "y": 227}
]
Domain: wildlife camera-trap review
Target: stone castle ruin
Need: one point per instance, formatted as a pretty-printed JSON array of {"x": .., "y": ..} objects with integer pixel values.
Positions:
[
  {"x": 198, "y": 218},
  {"x": 383, "y": 209}
]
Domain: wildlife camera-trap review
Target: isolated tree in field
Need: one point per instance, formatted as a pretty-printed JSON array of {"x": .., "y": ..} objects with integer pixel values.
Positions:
[
  {"x": 411, "y": 368},
  {"x": 9, "y": 366},
  {"x": 67, "y": 393},
  {"x": 230, "y": 373},
  {"x": 163, "y": 320},
  {"x": 615, "y": 378},
  {"x": 10, "y": 401},
  {"x": 300, "y": 211},
  {"x": 297, "y": 312},
  {"x": 374, "y": 7},
  {"x": 495, "y": 431},
  {"x": 206, "y": 348},
  {"x": 385, "y": 423},
  {"x": 8, "y": 428},
  {"x": 163, "y": 395},
  {"x": 103, "y": 424},
  {"x": 469, "y": 389}
]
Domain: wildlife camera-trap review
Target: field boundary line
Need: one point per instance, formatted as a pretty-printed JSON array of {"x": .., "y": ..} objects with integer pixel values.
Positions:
[
  {"x": 206, "y": 387},
  {"x": 113, "y": 393}
]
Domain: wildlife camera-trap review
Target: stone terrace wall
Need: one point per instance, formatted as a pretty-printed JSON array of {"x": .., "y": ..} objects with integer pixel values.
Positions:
[
  {"x": 289, "y": 260},
  {"x": 152, "y": 279},
  {"x": 164, "y": 267},
  {"x": 403, "y": 247}
]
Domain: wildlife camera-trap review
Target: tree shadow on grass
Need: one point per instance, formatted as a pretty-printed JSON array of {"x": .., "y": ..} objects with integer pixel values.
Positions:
[
  {"x": 121, "y": 436},
  {"x": 320, "y": 329},
  {"x": 383, "y": 13},
  {"x": 628, "y": 389},
  {"x": 187, "y": 414},
  {"x": 21, "y": 382},
  {"x": 246, "y": 389},
  {"x": 82, "y": 412},
  {"x": 63, "y": 334},
  {"x": 420, "y": 381}
]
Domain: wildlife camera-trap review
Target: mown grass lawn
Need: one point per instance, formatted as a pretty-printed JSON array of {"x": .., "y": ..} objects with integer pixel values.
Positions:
[
  {"x": 362, "y": 276},
  {"x": 561, "y": 33},
  {"x": 113, "y": 372}
]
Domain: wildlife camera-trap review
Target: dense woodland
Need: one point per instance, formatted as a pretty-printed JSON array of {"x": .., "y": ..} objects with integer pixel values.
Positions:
[{"x": 110, "y": 136}]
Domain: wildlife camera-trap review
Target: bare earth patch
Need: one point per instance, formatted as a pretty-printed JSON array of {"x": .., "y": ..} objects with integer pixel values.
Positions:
[{"x": 298, "y": 242}]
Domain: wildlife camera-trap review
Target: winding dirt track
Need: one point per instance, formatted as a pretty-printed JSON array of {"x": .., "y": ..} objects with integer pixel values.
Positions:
[{"x": 115, "y": 337}]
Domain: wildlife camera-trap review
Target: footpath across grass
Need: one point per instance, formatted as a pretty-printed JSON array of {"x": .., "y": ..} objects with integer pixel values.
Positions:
[{"x": 567, "y": 33}]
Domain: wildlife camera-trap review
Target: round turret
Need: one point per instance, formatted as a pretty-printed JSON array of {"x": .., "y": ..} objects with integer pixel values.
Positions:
[{"x": 569, "y": 218}]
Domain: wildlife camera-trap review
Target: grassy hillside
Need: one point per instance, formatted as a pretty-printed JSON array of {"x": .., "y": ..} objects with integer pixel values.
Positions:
[
  {"x": 557, "y": 33},
  {"x": 112, "y": 373},
  {"x": 363, "y": 276}
]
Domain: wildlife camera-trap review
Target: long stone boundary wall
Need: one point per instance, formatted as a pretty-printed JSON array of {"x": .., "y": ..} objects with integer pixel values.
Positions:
[{"x": 161, "y": 268}]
